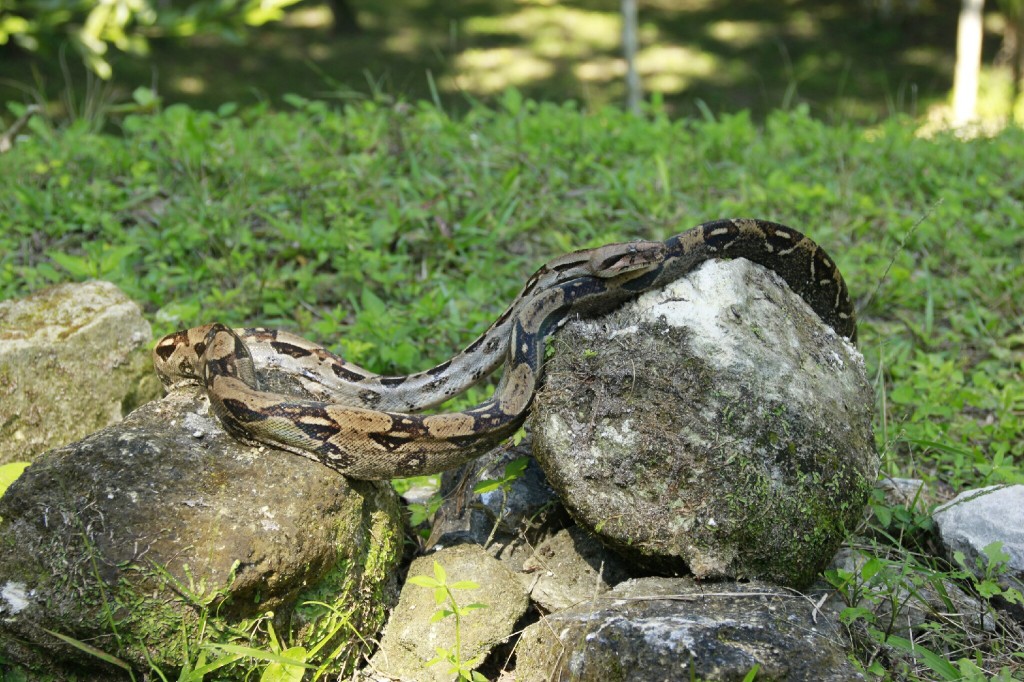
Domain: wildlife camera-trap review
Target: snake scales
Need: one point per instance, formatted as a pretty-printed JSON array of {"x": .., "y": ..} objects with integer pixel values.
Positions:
[{"x": 363, "y": 425}]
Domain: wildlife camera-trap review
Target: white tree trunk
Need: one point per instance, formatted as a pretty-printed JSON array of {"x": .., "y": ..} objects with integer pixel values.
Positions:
[
  {"x": 630, "y": 43},
  {"x": 968, "y": 62}
]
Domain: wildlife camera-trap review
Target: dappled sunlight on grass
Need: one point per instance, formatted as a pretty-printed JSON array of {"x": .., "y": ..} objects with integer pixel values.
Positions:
[
  {"x": 600, "y": 69},
  {"x": 493, "y": 70},
  {"x": 804, "y": 25},
  {"x": 407, "y": 40},
  {"x": 740, "y": 33},
  {"x": 555, "y": 31},
  {"x": 835, "y": 56},
  {"x": 670, "y": 68},
  {"x": 189, "y": 84},
  {"x": 548, "y": 34},
  {"x": 315, "y": 16}
]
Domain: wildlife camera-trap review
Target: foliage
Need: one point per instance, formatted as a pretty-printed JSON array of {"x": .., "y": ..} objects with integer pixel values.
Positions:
[
  {"x": 913, "y": 616},
  {"x": 511, "y": 473},
  {"x": 92, "y": 27},
  {"x": 444, "y": 597},
  {"x": 395, "y": 233}
]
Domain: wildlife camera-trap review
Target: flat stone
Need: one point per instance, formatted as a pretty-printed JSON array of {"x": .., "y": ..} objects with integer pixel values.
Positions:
[
  {"x": 571, "y": 567},
  {"x": 677, "y": 629}
]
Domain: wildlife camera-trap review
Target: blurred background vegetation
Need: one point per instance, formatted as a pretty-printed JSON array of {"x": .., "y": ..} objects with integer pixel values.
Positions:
[{"x": 850, "y": 60}]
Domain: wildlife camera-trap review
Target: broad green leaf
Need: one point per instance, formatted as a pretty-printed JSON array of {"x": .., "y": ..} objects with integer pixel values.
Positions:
[
  {"x": 258, "y": 654},
  {"x": 465, "y": 585},
  {"x": 287, "y": 672}
]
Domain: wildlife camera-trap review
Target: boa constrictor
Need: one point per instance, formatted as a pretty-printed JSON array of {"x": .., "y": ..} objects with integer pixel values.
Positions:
[{"x": 363, "y": 425}]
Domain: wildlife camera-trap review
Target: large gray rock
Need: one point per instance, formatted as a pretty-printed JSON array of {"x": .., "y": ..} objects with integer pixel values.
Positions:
[
  {"x": 975, "y": 519},
  {"x": 716, "y": 425},
  {"x": 73, "y": 359},
  {"x": 668, "y": 629},
  {"x": 411, "y": 638},
  {"x": 141, "y": 535}
]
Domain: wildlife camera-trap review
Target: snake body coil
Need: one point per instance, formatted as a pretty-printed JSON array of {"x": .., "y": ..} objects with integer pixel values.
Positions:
[{"x": 363, "y": 425}]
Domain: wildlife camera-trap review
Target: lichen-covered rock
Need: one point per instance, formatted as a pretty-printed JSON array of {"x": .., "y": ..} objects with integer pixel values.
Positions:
[
  {"x": 162, "y": 531},
  {"x": 411, "y": 639},
  {"x": 73, "y": 359},
  {"x": 716, "y": 425},
  {"x": 675, "y": 629}
]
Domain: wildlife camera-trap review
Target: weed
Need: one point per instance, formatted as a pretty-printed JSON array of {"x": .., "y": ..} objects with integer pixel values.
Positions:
[{"x": 444, "y": 597}]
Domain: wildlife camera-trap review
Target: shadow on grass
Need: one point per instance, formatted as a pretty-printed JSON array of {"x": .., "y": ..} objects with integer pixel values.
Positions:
[{"x": 836, "y": 56}]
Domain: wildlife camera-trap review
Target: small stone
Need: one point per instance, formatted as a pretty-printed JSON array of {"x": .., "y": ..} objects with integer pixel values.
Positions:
[
  {"x": 571, "y": 567},
  {"x": 411, "y": 638},
  {"x": 975, "y": 520}
]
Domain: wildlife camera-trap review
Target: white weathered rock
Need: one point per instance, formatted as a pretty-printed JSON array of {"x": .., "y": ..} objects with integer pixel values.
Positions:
[
  {"x": 73, "y": 359},
  {"x": 716, "y": 425},
  {"x": 975, "y": 519}
]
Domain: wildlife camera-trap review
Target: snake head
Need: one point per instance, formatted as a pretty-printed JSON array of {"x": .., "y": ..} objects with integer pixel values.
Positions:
[
  {"x": 617, "y": 259},
  {"x": 177, "y": 357}
]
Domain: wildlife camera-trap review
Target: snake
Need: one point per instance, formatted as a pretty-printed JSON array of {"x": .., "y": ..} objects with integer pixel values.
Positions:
[{"x": 368, "y": 426}]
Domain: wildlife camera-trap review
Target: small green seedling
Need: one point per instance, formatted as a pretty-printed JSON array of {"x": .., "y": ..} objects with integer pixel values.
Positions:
[{"x": 444, "y": 597}]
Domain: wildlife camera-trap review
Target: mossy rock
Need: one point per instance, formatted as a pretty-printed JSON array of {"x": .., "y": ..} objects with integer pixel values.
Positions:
[
  {"x": 716, "y": 427},
  {"x": 161, "y": 534}
]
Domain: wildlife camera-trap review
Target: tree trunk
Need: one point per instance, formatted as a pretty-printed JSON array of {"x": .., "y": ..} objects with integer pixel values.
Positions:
[
  {"x": 630, "y": 42},
  {"x": 968, "y": 62},
  {"x": 345, "y": 21}
]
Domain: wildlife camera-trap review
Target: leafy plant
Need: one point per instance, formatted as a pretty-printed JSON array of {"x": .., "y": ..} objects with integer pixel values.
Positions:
[
  {"x": 127, "y": 25},
  {"x": 283, "y": 665},
  {"x": 988, "y": 568},
  {"x": 511, "y": 473}
]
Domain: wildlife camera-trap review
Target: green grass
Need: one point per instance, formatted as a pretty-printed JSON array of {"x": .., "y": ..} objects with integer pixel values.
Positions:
[{"x": 396, "y": 233}]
